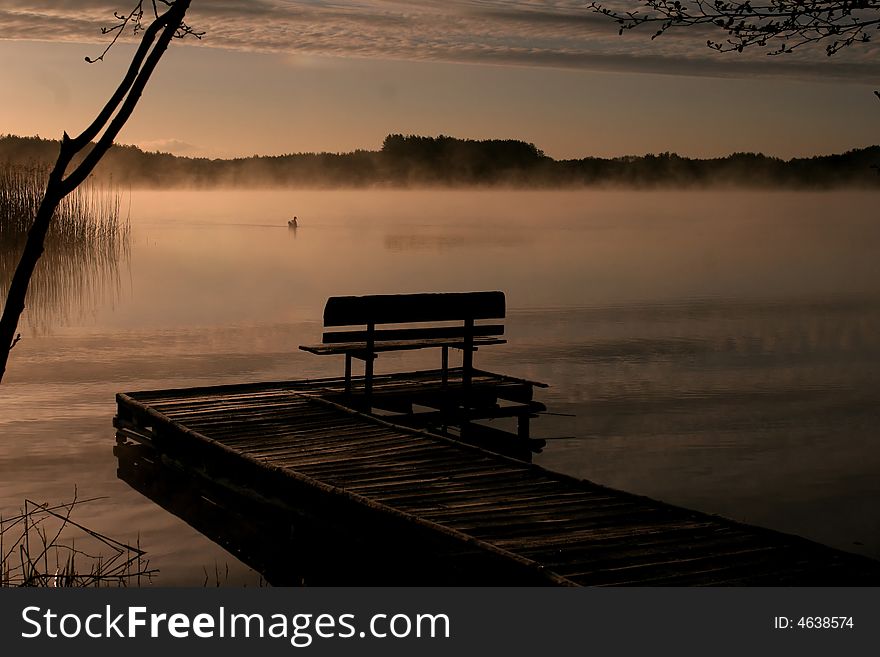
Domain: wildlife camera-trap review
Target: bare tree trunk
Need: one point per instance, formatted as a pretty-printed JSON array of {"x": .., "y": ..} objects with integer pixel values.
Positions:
[{"x": 153, "y": 45}]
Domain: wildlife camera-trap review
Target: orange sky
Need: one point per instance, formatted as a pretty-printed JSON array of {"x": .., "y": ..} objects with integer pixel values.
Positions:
[{"x": 274, "y": 77}]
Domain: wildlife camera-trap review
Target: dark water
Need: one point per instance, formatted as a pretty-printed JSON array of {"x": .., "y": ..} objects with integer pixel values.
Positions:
[{"x": 717, "y": 350}]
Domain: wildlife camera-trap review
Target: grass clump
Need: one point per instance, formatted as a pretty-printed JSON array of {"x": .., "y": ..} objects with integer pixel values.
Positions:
[
  {"x": 86, "y": 242},
  {"x": 43, "y": 546}
]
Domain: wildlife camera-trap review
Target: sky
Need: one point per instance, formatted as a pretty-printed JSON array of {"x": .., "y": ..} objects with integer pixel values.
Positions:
[{"x": 274, "y": 76}]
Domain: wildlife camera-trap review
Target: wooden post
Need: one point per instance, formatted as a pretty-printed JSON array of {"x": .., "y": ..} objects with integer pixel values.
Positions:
[
  {"x": 368, "y": 364},
  {"x": 522, "y": 426},
  {"x": 445, "y": 361},
  {"x": 347, "y": 373},
  {"x": 467, "y": 364}
]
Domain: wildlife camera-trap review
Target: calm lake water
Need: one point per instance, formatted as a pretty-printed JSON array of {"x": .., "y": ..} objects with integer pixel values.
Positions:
[{"x": 717, "y": 350}]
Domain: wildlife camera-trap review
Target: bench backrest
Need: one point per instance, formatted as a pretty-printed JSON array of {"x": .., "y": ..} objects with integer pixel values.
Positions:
[{"x": 465, "y": 307}]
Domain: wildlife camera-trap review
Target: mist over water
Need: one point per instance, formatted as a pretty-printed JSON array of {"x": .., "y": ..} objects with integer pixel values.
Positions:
[{"x": 716, "y": 349}]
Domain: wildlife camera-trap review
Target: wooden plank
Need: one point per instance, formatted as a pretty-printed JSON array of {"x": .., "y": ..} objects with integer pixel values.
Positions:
[
  {"x": 442, "y": 484},
  {"x": 565, "y": 510},
  {"x": 450, "y": 490},
  {"x": 389, "y": 447},
  {"x": 357, "y": 460},
  {"x": 405, "y": 308},
  {"x": 294, "y": 443},
  {"x": 675, "y": 539},
  {"x": 526, "y": 500},
  {"x": 680, "y": 571},
  {"x": 221, "y": 426},
  {"x": 358, "y": 349},
  {"x": 411, "y": 334},
  {"x": 384, "y": 481}
]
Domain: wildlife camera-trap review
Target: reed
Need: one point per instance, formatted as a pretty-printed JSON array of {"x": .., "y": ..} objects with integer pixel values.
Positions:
[
  {"x": 86, "y": 244},
  {"x": 43, "y": 546}
]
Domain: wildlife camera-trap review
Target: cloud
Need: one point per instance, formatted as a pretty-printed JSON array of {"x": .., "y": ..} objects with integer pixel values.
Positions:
[{"x": 557, "y": 33}]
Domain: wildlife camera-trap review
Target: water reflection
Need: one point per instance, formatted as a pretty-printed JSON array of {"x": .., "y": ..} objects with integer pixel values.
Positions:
[
  {"x": 307, "y": 542},
  {"x": 424, "y": 242},
  {"x": 71, "y": 282},
  {"x": 87, "y": 249},
  {"x": 446, "y": 242}
]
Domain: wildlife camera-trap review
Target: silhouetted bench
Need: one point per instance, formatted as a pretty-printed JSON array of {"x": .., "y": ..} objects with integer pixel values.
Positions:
[{"x": 428, "y": 317}]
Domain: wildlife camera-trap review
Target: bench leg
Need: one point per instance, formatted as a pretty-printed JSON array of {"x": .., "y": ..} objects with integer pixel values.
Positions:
[
  {"x": 368, "y": 379},
  {"x": 445, "y": 362},
  {"x": 467, "y": 361},
  {"x": 347, "y": 374},
  {"x": 467, "y": 367},
  {"x": 368, "y": 366},
  {"x": 522, "y": 427},
  {"x": 467, "y": 374}
]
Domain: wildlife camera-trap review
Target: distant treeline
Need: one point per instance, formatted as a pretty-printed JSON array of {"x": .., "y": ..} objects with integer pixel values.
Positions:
[{"x": 410, "y": 161}]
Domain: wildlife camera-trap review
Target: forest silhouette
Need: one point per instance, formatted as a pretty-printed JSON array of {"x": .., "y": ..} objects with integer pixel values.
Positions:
[{"x": 418, "y": 161}]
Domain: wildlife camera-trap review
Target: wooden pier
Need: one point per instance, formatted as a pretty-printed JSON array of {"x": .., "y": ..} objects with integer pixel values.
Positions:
[{"x": 266, "y": 459}]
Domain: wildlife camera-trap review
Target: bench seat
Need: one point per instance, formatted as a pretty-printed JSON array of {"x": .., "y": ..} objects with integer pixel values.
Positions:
[{"x": 358, "y": 349}]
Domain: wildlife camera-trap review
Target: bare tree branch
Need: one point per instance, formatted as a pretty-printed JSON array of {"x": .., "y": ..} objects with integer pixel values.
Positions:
[
  {"x": 166, "y": 26},
  {"x": 135, "y": 18},
  {"x": 779, "y": 26}
]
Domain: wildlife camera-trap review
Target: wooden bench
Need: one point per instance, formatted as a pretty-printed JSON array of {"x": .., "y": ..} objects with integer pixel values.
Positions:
[{"x": 421, "y": 316}]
